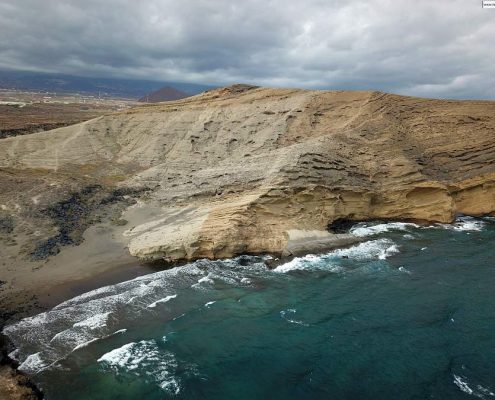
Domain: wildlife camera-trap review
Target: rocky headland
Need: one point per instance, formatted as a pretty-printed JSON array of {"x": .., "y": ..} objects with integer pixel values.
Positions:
[
  {"x": 231, "y": 171},
  {"x": 236, "y": 170}
]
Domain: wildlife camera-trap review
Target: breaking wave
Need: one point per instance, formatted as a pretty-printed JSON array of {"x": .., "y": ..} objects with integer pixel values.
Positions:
[
  {"x": 48, "y": 338},
  {"x": 465, "y": 224},
  {"x": 164, "y": 300},
  {"x": 461, "y": 224},
  {"x": 288, "y": 316},
  {"x": 363, "y": 229},
  {"x": 138, "y": 358},
  {"x": 477, "y": 391},
  {"x": 44, "y": 340},
  {"x": 379, "y": 249}
]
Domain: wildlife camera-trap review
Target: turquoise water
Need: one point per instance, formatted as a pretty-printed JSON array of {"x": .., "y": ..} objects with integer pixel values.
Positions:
[{"x": 407, "y": 314}]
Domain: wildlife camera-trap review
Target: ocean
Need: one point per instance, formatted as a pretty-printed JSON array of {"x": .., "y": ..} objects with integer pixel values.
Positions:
[{"x": 409, "y": 313}]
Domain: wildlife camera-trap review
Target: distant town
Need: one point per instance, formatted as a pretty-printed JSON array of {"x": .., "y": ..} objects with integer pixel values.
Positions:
[
  {"x": 21, "y": 98},
  {"x": 29, "y": 111}
]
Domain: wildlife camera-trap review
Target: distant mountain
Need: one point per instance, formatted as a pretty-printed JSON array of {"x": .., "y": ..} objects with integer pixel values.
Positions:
[
  {"x": 61, "y": 83},
  {"x": 166, "y": 93}
]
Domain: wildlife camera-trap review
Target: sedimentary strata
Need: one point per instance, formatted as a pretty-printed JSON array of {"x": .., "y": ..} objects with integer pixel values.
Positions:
[{"x": 252, "y": 170}]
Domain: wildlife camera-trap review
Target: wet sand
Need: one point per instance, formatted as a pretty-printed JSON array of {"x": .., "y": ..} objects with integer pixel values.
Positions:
[
  {"x": 31, "y": 287},
  {"x": 16, "y": 385}
]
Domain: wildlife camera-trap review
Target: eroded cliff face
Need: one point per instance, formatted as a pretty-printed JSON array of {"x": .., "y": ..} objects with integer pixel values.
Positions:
[{"x": 240, "y": 169}]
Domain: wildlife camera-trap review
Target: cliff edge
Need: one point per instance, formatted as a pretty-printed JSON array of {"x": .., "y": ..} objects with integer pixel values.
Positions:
[{"x": 252, "y": 170}]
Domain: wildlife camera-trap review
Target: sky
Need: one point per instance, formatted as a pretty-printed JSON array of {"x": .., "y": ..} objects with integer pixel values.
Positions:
[{"x": 434, "y": 48}]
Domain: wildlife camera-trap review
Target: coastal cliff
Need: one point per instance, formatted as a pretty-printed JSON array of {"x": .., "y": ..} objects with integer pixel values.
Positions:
[{"x": 249, "y": 170}]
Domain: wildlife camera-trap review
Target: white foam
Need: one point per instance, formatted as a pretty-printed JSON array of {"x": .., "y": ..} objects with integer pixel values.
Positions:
[
  {"x": 14, "y": 354},
  {"x": 81, "y": 334},
  {"x": 467, "y": 224},
  {"x": 202, "y": 282},
  {"x": 374, "y": 249},
  {"x": 485, "y": 391},
  {"x": 70, "y": 335},
  {"x": 164, "y": 300},
  {"x": 299, "y": 263},
  {"x": 75, "y": 323},
  {"x": 226, "y": 276},
  {"x": 480, "y": 391},
  {"x": 94, "y": 322},
  {"x": 85, "y": 344},
  {"x": 170, "y": 385},
  {"x": 462, "y": 224},
  {"x": 33, "y": 364},
  {"x": 179, "y": 316},
  {"x": 461, "y": 384},
  {"x": 206, "y": 279},
  {"x": 366, "y": 229},
  {"x": 285, "y": 314},
  {"x": 119, "y": 356},
  {"x": 145, "y": 358}
]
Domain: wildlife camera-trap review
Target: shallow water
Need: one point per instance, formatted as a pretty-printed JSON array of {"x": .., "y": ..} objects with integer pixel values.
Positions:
[{"x": 407, "y": 314}]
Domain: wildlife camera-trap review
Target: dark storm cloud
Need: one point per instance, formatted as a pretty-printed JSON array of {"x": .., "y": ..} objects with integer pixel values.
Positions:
[{"x": 441, "y": 48}]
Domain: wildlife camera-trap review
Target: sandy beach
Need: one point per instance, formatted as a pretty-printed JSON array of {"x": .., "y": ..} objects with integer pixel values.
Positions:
[{"x": 30, "y": 287}]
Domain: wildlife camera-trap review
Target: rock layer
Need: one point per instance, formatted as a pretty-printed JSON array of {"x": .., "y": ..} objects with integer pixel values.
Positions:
[{"x": 236, "y": 170}]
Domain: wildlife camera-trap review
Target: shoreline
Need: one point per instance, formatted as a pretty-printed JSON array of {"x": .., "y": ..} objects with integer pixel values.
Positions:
[
  {"x": 123, "y": 268},
  {"x": 15, "y": 384}
]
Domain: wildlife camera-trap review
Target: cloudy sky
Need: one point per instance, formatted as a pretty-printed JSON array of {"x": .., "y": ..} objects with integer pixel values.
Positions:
[{"x": 435, "y": 48}]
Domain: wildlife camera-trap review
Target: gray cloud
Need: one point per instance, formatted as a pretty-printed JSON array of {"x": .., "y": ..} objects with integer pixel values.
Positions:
[{"x": 440, "y": 48}]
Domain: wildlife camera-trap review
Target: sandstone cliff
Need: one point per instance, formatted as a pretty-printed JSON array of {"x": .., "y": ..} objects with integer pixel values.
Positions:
[{"x": 251, "y": 170}]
